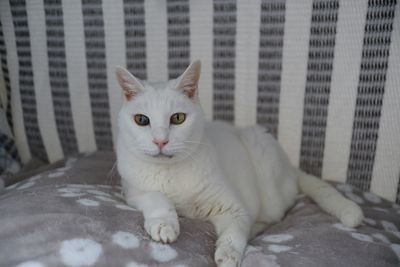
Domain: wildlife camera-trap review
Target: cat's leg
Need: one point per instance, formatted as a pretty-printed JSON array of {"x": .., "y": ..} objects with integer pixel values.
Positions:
[
  {"x": 160, "y": 217},
  {"x": 330, "y": 200},
  {"x": 233, "y": 232}
]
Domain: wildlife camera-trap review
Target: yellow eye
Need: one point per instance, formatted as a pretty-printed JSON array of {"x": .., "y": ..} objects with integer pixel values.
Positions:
[
  {"x": 141, "y": 120},
  {"x": 178, "y": 118}
]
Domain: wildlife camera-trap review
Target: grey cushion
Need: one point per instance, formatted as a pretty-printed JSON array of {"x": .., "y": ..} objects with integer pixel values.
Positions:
[{"x": 75, "y": 215}]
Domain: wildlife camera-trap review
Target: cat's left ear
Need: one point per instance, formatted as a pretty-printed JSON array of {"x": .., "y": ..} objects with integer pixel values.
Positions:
[
  {"x": 188, "y": 81},
  {"x": 130, "y": 85}
]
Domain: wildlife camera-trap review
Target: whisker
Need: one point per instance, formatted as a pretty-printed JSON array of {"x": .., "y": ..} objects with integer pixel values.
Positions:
[{"x": 197, "y": 143}]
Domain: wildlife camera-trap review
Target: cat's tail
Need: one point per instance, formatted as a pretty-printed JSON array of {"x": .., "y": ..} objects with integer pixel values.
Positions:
[
  {"x": 330, "y": 200},
  {"x": 270, "y": 160}
]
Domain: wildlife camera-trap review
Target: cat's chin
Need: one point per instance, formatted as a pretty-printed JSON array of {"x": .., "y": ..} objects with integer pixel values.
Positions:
[{"x": 162, "y": 156}]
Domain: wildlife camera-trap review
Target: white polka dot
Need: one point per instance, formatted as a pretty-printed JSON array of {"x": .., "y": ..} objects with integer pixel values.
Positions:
[
  {"x": 381, "y": 237},
  {"x": 396, "y": 249},
  {"x": 380, "y": 209},
  {"x": 124, "y": 207},
  {"x": 361, "y": 237},
  {"x": 55, "y": 174},
  {"x": 278, "y": 248},
  {"x": 26, "y": 185},
  {"x": 354, "y": 197},
  {"x": 345, "y": 188},
  {"x": 277, "y": 238},
  {"x": 135, "y": 264},
  {"x": 87, "y": 202},
  {"x": 72, "y": 195},
  {"x": 13, "y": 186},
  {"x": 162, "y": 253},
  {"x": 107, "y": 199},
  {"x": 125, "y": 240},
  {"x": 372, "y": 198},
  {"x": 99, "y": 193},
  {"x": 369, "y": 221},
  {"x": 80, "y": 252},
  {"x": 389, "y": 226},
  {"x": 30, "y": 264},
  {"x": 343, "y": 227},
  {"x": 250, "y": 249}
]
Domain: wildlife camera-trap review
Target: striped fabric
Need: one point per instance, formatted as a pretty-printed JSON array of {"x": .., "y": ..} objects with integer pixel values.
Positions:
[{"x": 321, "y": 75}]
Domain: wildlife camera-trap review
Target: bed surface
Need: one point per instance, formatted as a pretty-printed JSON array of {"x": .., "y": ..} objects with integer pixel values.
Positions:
[{"x": 75, "y": 215}]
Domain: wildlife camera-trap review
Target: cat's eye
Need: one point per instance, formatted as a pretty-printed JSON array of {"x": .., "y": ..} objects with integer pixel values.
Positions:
[
  {"x": 178, "y": 118},
  {"x": 141, "y": 119}
]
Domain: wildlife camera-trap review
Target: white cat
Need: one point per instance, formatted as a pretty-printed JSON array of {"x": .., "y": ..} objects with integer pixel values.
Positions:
[{"x": 173, "y": 163}]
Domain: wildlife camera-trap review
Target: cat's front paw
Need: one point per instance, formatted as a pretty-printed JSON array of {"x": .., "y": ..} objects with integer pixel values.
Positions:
[
  {"x": 352, "y": 215},
  {"x": 227, "y": 256},
  {"x": 162, "y": 229}
]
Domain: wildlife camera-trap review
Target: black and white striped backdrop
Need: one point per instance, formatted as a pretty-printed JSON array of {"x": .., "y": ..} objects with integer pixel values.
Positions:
[{"x": 322, "y": 75}]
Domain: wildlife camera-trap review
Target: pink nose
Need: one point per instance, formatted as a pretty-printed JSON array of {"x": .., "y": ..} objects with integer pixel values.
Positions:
[{"x": 160, "y": 143}]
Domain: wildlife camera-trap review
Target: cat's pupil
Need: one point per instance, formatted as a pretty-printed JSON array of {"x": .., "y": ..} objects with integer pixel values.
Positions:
[
  {"x": 141, "y": 119},
  {"x": 178, "y": 118}
]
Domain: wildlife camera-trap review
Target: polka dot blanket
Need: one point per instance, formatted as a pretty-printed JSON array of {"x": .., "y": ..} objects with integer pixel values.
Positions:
[{"x": 76, "y": 216}]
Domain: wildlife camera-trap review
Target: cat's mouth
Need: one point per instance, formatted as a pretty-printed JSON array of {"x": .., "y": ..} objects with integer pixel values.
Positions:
[{"x": 163, "y": 156}]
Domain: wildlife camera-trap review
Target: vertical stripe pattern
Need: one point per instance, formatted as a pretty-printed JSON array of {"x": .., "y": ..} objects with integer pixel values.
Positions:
[
  {"x": 370, "y": 91},
  {"x": 6, "y": 77},
  {"x": 224, "y": 59},
  {"x": 398, "y": 192},
  {"x": 26, "y": 84},
  {"x": 97, "y": 73},
  {"x": 387, "y": 156},
  {"x": 178, "y": 37},
  {"x": 343, "y": 91},
  {"x": 201, "y": 44},
  {"x": 294, "y": 72},
  {"x": 135, "y": 37},
  {"x": 58, "y": 76},
  {"x": 156, "y": 40},
  {"x": 270, "y": 63},
  {"x": 247, "y": 43},
  {"x": 319, "y": 72}
]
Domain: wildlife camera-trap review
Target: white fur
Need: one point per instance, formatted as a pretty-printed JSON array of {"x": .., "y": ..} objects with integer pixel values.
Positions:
[{"x": 239, "y": 179}]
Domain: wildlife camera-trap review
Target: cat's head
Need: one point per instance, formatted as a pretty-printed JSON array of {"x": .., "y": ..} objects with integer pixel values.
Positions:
[{"x": 161, "y": 122}]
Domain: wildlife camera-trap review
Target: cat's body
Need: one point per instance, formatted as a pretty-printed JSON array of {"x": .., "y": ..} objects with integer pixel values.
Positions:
[{"x": 238, "y": 178}]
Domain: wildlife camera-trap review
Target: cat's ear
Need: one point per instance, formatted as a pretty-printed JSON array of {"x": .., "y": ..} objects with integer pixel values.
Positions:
[
  {"x": 130, "y": 85},
  {"x": 188, "y": 81}
]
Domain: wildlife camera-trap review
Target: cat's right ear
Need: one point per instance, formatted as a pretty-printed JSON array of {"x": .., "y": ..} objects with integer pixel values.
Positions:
[{"x": 130, "y": 85}]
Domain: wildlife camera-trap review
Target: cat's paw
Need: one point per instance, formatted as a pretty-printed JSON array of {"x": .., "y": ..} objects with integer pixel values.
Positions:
[
  {"x": 162, "y": 229},
  {"x": 351, "y": 215},
  {"x": 227, "y": 256}
]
